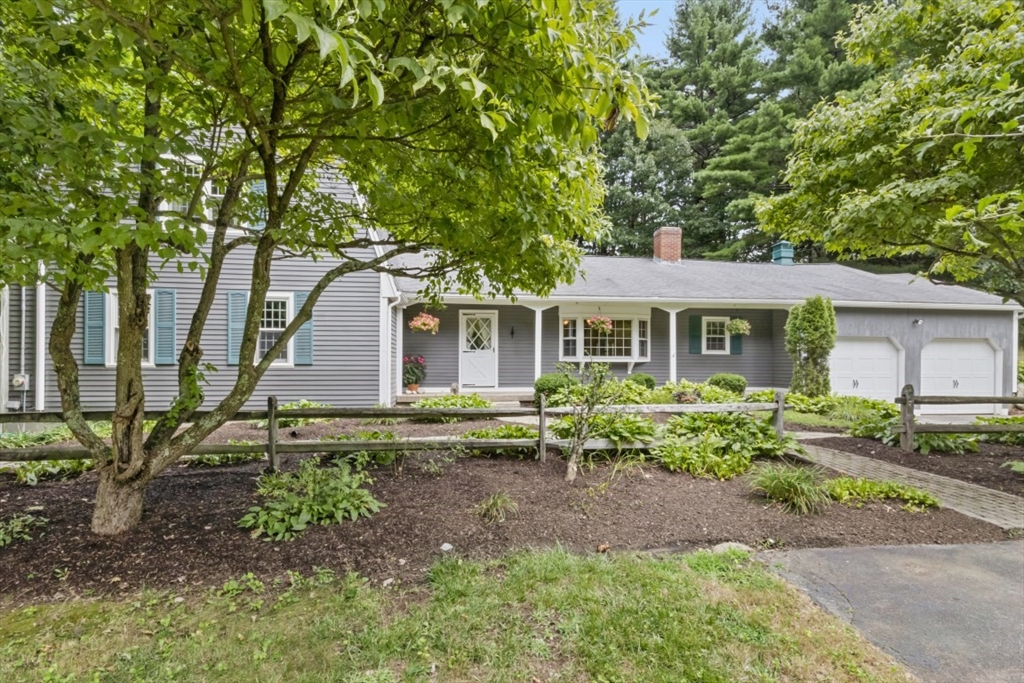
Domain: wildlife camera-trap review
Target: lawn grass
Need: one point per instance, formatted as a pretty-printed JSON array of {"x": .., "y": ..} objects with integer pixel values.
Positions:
[
  {"x": 814, "y": 420},
  {"x": 532, "y": 616}
]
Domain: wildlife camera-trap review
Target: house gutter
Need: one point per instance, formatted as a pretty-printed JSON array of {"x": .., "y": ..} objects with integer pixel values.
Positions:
[{"x": 5, "y": 346}]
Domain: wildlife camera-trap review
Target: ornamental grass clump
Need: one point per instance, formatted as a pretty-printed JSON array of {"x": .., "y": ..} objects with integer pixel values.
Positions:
[{"x": 795, "y": 488}]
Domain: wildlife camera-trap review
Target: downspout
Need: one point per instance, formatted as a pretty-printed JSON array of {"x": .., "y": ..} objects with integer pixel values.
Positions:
[
  {"x": 41, "y": 340},
  {"x": 5, "y": 346},
  {"x": 21, "y": 349}
]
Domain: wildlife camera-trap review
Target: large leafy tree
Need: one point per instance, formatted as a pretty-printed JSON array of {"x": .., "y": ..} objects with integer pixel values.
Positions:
[
  {"x": 469, "y": 127},
  {"x": 927, "y": 158}
]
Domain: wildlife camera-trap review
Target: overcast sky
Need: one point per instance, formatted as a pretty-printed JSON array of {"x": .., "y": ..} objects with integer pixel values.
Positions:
[{"x": 652, "y": 40}]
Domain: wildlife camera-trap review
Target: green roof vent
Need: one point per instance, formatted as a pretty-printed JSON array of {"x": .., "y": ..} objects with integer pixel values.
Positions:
[{"x": 782, "y": 253}]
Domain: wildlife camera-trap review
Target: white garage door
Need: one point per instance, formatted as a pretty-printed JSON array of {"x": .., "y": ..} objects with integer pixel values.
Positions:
[
  {"x": 958, "y": 367},
  {"x": 865, "y": 366}
]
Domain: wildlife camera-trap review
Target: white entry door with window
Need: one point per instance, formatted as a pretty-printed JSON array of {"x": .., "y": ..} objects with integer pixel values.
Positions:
[
  {"x": 865, "y": 366},
  {"x": 478, "y": 348},
  {"x": 958, "y": 367}
]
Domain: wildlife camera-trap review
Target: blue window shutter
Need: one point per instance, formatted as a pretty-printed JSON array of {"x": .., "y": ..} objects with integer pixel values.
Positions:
[
  {"x": 238, "y": 302},
  {"x": 304, "y": 335},
  {"x": 695, "y": 334},
  {"x": 165, "y": 316},
  {"x": 259, "y": 188},
  {"x": 94, "y": 329},
  {"x": 736, "y": 345}
]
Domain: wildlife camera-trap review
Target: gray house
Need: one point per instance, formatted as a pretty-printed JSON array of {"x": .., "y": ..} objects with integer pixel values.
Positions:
[{"x": 668, "y": 318}]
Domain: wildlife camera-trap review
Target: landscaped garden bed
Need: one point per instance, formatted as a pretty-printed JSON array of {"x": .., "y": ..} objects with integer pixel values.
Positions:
[{"x": 984, "y": 468}]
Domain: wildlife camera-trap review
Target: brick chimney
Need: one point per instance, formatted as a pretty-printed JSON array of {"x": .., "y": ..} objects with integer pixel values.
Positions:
[{"x": 668, "y": 244}]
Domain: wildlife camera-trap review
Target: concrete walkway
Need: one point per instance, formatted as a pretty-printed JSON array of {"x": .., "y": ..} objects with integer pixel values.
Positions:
[
  {"x": 995, "y": 507},
  {"x": 950, "y": 614}
]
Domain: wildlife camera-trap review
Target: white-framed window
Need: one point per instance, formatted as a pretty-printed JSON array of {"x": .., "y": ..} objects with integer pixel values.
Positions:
[
  {"x": 714, "y": 335},
  {"x": 278, "y": 310},
  {"x": 629, "y": 340},
  {"x": 114, "y": 330}
]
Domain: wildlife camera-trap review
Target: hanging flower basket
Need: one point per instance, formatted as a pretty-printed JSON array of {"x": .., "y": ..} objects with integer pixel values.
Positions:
[
  {"x": 414, "y": 370},
  {"x": 600, "y": 324},
  {"x": 424, "y": 322},
  {"x": 738, "y": 326}
]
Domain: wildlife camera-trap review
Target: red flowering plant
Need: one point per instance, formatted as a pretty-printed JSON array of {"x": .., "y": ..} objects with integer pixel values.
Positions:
[
  {"x": 600, "y": 324},
  {"x": 414, "y": 369},
  {"x": 424, "y": 322}
]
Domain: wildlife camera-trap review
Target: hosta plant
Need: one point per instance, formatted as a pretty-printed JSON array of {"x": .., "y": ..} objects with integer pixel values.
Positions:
[
  {"x": 857, "y": 491},
  {"x": 506, "y": 431},
  {"x": 450, "y": 401}
]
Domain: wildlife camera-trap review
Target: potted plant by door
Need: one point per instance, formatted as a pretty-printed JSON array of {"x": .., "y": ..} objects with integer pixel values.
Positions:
[{"x": 414, "y": 371}]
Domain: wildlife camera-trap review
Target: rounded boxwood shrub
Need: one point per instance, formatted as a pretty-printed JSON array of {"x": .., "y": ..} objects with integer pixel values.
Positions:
[
  {"x": 728, "y": 381},
  {"x": 643, "y": 379},
  {"x": 551, "y": 382}
]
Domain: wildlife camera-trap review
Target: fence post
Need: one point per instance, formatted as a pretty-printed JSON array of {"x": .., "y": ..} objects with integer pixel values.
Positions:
[
  {"x": 907, "y": 419},
  {"x": 542, "y": 428},
  {"x": 780, "y": 410},
  {"x": 275, "y": 459}
]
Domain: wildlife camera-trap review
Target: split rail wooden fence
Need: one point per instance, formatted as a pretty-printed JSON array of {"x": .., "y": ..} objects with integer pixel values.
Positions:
[
  {"x": 909, "y": 426},
  {"x": 275, "y": 447}
]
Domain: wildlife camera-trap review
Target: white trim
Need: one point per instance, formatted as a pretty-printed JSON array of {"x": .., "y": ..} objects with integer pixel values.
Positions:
[
  {"x": 41, "y": 354},
  {"x": 493, "y": 313},
  {"x": 723, "y": 303},
  {"x": 538, "y": 343},
  {"x": 580, "y": 315},
  {"x": 400, "y": 350},
  {"x": 387, "y": 362},
  {"x": 5, "y": 347},
  {"x": 704, "y": 351},
  {"x": 112, "y": 318},
  {"x": 289, "y": 316},
  {"x": 1015, "y": 352}
]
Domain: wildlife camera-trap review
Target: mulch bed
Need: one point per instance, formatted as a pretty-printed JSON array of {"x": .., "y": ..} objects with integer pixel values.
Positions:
[
  {"x": 983, "y": 468},
  {"x": 189, "y": 538}
]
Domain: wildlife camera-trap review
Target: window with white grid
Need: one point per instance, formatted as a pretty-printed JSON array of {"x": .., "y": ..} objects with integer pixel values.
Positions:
[
  {"x": 716, "y": 338},
  {"x": 272, "y": 324},
  {"x": 628, "y": 341},
  {"x": 114, "y": 330}
]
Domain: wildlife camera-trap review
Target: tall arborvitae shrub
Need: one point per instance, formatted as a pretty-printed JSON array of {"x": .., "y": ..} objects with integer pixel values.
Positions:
[{"x": 810, "y": 338}]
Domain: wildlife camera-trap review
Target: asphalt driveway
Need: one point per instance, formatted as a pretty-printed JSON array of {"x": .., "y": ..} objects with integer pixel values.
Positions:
[{"x": 949, "y": 613}]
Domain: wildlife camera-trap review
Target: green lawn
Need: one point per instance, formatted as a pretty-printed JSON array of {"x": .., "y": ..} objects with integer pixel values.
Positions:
[
  {"x": 538, "y": 616},
  {"x": 814, "y": 420}
]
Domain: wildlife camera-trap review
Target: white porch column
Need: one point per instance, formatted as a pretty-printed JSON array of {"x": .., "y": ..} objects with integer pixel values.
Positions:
[
  {"x": 5, "y": 331},
  {"x": 538, "y": 342},
  {"x": 41, "y": 351},
  {"x": 673, "y": 372}
]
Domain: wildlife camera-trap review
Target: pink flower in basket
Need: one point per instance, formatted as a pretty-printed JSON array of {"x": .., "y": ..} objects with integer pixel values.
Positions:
[
  {"x": 424, "y": 322},
  {"x": 600, "y": 324}
]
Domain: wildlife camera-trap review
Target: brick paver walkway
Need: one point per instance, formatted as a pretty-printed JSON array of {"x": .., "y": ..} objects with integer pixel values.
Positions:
[{"x": 1002, "y": 509}]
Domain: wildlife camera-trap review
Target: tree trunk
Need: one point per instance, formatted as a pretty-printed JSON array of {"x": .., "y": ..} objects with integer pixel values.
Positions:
[{"x": 118, "y": 503}]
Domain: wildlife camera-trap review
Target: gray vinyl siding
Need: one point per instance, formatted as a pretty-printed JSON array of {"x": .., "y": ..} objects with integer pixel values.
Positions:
[
  {"x": 346, "y": 340},
  {"x": 783, "y": 370},
  {"x": 898, "y": 324},
  {"x": 515, "y": 338},
  {"x": 15, "y": 349},
  {"x": 756, "y": 363},
  {"x": 551, "y": 336}
]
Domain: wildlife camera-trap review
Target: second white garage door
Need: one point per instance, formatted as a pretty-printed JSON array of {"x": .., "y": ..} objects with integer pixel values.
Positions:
[
  {"x": 958, "y": 367},
  {"x": 865, "y": 366}
]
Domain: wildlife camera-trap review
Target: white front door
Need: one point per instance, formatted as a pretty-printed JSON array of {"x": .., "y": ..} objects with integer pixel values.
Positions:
[
  {"x": 478, "y": 349},
  {"x": 865, "y": 366},
  {"x": 958, "y": 367}
]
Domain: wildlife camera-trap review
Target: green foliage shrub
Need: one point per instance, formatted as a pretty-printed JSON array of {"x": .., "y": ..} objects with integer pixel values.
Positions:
[
  {"x": 312, "y": 495},
  {"x": 816, "y": 405},
  {"x": 32, "y": 472},
  {"x": 219, "y": 459},
  {"x": 643, "y": 379},
  {"x": 761, "y": 396},
  {"x": 1005, "y": 438},
  {"x": 549, "y": 383},
  {"x": 292, "y": 422},
  {"x": 810, "y": 338},
  {"x": 1015, "y": 466},
  {"x": 19, "y": 528},
  {"x": 506, "y": 431},
  {"x": 857, "y": 491},
  {"x": 796, "y": 488},
  {"x": 362, "y": 459},
  {"x": 737, "y": 384},
  {"x": 620, "y": 428},
  {"x": 880, "y": 428},
  {"x": 707, "y": 455},
  {"x": 451, "y": 401}
]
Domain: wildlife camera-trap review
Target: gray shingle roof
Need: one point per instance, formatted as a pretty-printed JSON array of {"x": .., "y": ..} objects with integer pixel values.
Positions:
[{"x": 616, "y": 277}]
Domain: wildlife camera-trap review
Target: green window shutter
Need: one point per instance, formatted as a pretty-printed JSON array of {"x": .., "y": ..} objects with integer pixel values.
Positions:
[
  {"x": 238, "y": 302},
  {"x": 165, "y": 317},
  {"x": 303, "y": 345},
  {"x": 736, "y": 345},
  {"x": 259, "y": 188},
  {"x": 695, "y": 334},
  {"x": 94, "y": 329}
]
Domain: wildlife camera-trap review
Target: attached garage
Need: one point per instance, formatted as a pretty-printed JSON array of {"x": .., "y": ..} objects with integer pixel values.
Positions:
[
  {"x": 959, "y": 367},
  {"x": 865, "y": 366}
]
